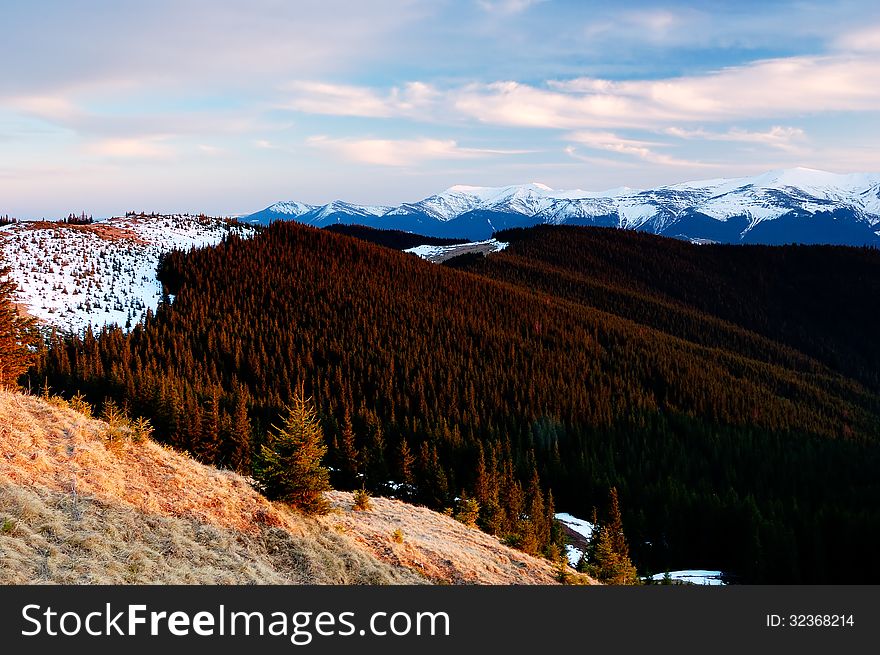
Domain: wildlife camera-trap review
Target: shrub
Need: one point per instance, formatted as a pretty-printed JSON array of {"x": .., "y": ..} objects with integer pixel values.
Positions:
[
  {"x": 79, "y": 404},
  {"x": 467, "y": 511},
  {"x": 397, "y": 536},
  {"x": 141, "y": 430},
  {"x": 118, "y": 426},
  {"x": 362, "y": 500}
]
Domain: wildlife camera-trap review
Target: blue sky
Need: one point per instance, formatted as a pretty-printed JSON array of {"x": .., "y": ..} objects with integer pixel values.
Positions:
[{"x": 225, "y": 107}]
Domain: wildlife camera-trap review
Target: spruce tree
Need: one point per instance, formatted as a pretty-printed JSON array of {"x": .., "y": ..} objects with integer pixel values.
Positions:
[
  {"x": 406, "y": 462},
  {"x": 611, "y": 559},
  {"x": 239, "y": 442},
  {"x": 349, "y": 457},
  {"x": 17, "y": 334},
  {"x": 289, "y": 466}
]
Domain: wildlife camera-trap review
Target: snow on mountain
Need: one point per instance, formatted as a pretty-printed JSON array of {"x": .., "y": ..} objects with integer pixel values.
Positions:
[
  {"x": 730, "y": 210},
  {"x": 339, "y": 207},
  {"x": 291, "y": 208},
  {"x": 74, "y": 276}
]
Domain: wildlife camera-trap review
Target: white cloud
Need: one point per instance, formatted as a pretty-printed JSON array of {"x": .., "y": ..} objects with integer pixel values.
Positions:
[
  {"x": 145, "y": 148},
  {"x": 767, "y": 88},
  {"x": 210, "y": 150},
  {"x": 764, "y": 89},
  {"x": 347, "y": 100},
  {"x": 609, "y": 142},
  {"x": 865, "y": 39},
  {"x": 784, "y": 138},
  {"x": 400, "y": 152},
  {"x": 507, "y": 7},
  {"x": 49, "y": 107}
]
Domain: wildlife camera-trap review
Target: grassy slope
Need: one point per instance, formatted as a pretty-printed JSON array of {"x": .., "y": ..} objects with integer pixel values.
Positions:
[{"x": 77, "y": 509}]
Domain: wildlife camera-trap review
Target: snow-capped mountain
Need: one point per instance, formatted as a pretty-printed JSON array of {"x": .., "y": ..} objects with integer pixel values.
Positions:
[
  {"x": 320, "y": 215},
  {"x": 797, "y": 205},
  {"x": 74, "y": 276}
]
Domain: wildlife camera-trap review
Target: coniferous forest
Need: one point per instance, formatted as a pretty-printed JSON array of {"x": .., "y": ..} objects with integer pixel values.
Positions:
[{"x": 730, "y": 394}]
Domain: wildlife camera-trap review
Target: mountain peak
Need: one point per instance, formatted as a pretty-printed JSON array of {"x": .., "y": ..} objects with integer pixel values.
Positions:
[{"x": 733, "y": 207}]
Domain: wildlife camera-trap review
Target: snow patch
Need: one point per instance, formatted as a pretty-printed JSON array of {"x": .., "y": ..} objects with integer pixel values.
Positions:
[
  {"x": 74, "y": 277},
  {"x": 438, "y": 253},
  {"x": 582, "y": 527},
  {"x": 696, "y": 576}
]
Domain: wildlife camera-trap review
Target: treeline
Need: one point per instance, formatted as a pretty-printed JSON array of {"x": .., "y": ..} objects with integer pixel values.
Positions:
[
  {"x": 731, "y": 451},
  {"x": 82, "y": 219}
]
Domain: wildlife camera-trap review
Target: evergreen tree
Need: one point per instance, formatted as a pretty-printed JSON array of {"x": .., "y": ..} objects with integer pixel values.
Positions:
[
  {"x": 406, "y": 462},
  {"x": 240, "y": 435},
  {"x": 207, "y": 444},
  {"x": 17, "y": 334},
  {"x": 612, "y": 564},
  {"x": 289, "y": 467},
  {"x": 349, "y": 457}
]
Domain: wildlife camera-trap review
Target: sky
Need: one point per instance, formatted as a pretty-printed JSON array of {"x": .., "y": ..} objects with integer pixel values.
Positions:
[{"x": 226, "y": 107}]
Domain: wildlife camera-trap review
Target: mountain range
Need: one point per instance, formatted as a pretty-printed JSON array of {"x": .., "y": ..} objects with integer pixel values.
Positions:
[{"x": 798, "y": 205}]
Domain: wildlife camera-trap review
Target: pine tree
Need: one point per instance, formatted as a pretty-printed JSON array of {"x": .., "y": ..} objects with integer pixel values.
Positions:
[
  {"x": 240, "y": 435},
  {"x": 611, "y": 559},
  {"x": 406, "y": 462},
  {"x": 350, "y": 459},
  {"x": 207, "y": 445},
  {"x": 615, "y": 525},
  {"x": 17, "y": 334},
  {"x": 289, "y": 467},
  {"x": 536, "y": 529}
]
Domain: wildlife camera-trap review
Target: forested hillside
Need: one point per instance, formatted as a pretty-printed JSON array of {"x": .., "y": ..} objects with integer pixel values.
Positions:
[
  {"x": 576, "y": 360},
  {"x": 86, "y": 501},
  {"x": 391, "y": 238}
]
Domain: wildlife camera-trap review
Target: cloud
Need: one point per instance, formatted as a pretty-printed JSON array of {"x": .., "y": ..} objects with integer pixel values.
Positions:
[
  {"x": 656, "y": 26},
  {"x": 644, "y": 150},
  {"x": 767, "y": 88},
  {"x": 764, "y": 89},
  {"x": 347, "y": 100},
  {"x": 507, "y": 7},
  {"x": 400, "y": 152},
  {"x": 783, "y": 138},
  {"x": 865, "y": 39},
  {"x": 183, "y": 44},
  {"x": 147, "y": 148}
]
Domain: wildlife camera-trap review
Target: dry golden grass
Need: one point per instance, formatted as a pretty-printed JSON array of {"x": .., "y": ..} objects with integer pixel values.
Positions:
[
  {"x": 439, "y": 547},
  {"x": 75, "y": 508},
  {"x": 105, "y": 231}
]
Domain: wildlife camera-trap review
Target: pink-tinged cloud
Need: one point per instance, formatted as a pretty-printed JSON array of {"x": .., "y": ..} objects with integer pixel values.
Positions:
[
  {"x": 765, "y": 89},
  {"x": 609, "y": 142},
  {"x": 400, "y": 152}
]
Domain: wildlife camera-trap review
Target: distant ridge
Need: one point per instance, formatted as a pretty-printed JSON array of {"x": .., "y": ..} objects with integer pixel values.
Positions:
[{"x": 797, "y": 205}]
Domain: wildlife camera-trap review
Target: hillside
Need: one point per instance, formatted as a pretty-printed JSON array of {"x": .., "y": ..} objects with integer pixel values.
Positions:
[
  {"x": 793, "y": 305},
  {"x": 79, "y": 508},
  {"x": 76, "y": 276},
  {"x": 733, "y": 446}
]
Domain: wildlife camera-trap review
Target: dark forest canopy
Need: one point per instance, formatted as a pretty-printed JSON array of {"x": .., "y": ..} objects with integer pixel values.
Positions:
[
  {"x": 396, "y": 239},
  {"x": 713, "y": 388}
]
